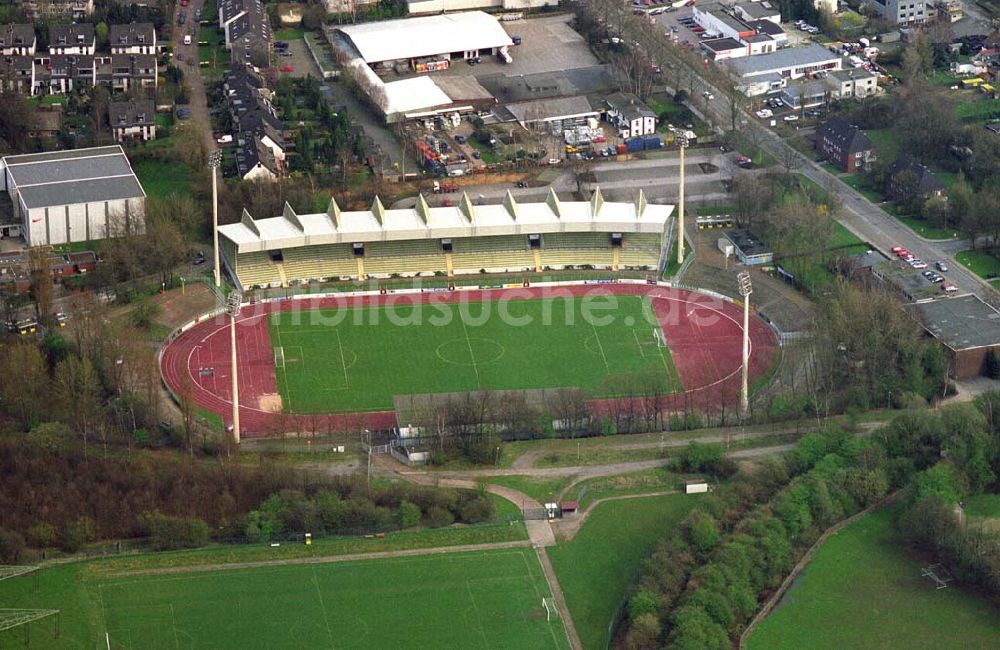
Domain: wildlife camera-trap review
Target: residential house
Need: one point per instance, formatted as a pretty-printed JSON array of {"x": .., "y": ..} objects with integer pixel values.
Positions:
[
  {"x": 901, "y": 12},
  {"x": 123, "y": 72},
  {"x": 254, "y": 161},
  {"x": 134, "y": 38},
  {"x": 66, "y": 72},
  {"x": 906, "y": 176},
  {"x": 17, "y": 39},
  {"x": 17, "y": 73},
  {"x": 630, "y": 115},
  {"x": 78, "y": 10},
  {"x": 844, "y": 145},
  {"x": 77, "y": 38},
  {"x": 133, "y": 120},
  {"x": 46, "y": 122},
  {"x": 246, "y": 27},
  {"x": 854, "y": 82}
]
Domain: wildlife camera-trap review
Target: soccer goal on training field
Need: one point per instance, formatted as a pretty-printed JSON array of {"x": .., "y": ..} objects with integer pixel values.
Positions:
[
  {"x": 551, "y": 611},
  {"x": 661, "y": 341},
  {"x": 279, "y": 357}
]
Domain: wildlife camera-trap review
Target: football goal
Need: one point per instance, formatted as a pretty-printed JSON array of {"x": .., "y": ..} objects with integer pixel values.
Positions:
[
  {"x": 279, "y": 357},
  {"x": 551, "y": 611},
  {"x": 661, "y": 341}
]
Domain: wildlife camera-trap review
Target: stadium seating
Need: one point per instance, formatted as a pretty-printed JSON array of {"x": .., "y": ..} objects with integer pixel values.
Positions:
[
  {"x": 577, "y": 240},
  {"x": 319, "y": 262},
  {"x": 404, "y": 257},
  {"x": 257, "y": 269},
  {"x": 640, "y": 250}
]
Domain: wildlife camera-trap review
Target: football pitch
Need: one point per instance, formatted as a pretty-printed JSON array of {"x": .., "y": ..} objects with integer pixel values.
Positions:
[
  {"x": 359, "y": 359},
  {"x": 463, "y": 600}
]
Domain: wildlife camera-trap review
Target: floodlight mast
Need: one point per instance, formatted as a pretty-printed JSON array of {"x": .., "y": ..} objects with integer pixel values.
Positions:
[
  {"x": 233, "y": 309},
  {"x": 683, "y": 143},
  {"x": 746, "y": 288},
  {"x": 214, "y": 160}
]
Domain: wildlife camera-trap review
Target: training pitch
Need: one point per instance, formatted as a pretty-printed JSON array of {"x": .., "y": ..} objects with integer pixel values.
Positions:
[
  {"x": 372, "y": 354},
  {"x": 338, "y": 361},
  {"x": 464, "y": 600}
]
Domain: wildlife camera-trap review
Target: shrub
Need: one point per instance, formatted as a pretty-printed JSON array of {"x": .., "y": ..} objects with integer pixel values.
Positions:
[
  {"x": 409, "y": 514},
  {"x": 11, "y": 545},
  {"x": 172, "y": 533},
  {"x": 478, "y": 509},
  {"x": 42, "y": 535},
  {"x": 438, "y": 517}
]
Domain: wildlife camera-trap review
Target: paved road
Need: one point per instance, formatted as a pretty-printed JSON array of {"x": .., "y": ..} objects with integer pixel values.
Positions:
[{"x": 192, "y": 73}]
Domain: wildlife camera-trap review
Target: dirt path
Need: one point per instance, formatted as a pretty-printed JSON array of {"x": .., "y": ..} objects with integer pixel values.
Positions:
[{"x": 463, "y": 548}]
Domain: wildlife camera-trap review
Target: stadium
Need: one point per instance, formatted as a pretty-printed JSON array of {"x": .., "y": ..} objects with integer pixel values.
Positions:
[{"x": 351, "y": 358}]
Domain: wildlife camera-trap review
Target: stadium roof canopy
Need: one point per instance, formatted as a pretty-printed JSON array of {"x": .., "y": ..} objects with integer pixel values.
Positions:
[
  {"x": 68, "y": 177},
  {"x": 411, "y": 38},
  {"x": 292, "y": 230}
]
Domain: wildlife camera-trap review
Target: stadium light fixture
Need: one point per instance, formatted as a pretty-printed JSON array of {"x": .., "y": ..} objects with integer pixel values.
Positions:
[
  {"x": 746, "y": 288},
  {"x": 233, "y": 309},
  {"x": 682, "y": 142},
  {"x": 214, "y": 160}
]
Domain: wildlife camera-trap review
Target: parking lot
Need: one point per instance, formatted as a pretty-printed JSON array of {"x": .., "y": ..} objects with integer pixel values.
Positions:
[{"x": 547, "y": 44}]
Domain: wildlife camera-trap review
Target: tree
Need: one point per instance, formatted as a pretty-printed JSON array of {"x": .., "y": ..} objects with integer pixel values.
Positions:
[
  {"x": 25, "y": 387},
  {"x": 41, "y": 283},
  {"x": 79, "y": 394},
  {"x": 101, "y": 34}
]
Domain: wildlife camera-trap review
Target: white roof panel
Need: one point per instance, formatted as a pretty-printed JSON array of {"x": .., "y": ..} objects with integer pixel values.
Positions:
[
  {"x": 411, "y": 38},
  {"x": 413, "y": 94}
]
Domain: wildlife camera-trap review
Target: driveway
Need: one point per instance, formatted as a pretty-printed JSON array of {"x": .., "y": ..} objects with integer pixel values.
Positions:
[{"x": 192, "y": 74}]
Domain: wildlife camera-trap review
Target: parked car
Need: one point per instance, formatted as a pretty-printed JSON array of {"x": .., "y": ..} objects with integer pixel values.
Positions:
[
  {"x": 287, "y": 68},
  {"x": 948, "y": 287},
  {"x": 918, "y": 264},
  {"x": 707, "y": 95},
  {"x": 460, "y": 139},
  {"x": 521, "y": 184},
  {"x": 225, "y": 139},
  {"x": 765, "y": 113},
  {"x": 941, "y": 266},
  {"x": 790, "y": 118},
  {"x": 181, "y": 17}
]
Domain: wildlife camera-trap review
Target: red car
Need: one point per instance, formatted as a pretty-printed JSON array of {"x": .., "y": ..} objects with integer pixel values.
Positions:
[{"x": 287, "y": 68}]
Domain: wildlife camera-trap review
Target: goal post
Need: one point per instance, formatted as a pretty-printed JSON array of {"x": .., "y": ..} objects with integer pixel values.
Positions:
[
  {"x": 551, "y": 611},
  {"x": 279, "y": 357},
  {"x": 661, "y": 341}
]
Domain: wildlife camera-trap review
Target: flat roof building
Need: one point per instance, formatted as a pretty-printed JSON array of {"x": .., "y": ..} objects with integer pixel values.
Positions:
[
  {"x": 70, "y": 196},
  {"x": 966, "y": 326},
  {"x": 462, "y": 35},
  {"x": 749, "y": 249}
]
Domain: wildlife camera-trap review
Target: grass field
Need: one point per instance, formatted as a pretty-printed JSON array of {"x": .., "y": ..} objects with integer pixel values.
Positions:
[
  {"x": 983, "y": 505},
  {"x": 596, "y": 568},
  {"x": 464, "y": 600},
  {"x": 163, "y": 179},
  {"x": 364, "y": 357},
  {"x": 862, "y": 591},
  {"x": 982, "y": 263}
]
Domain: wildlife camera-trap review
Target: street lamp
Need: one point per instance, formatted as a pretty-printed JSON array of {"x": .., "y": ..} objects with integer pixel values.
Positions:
[
  {"x": 746, "y": 288},
  {"x": 683, "y": 143},
  {"x": 214, "y": 160},
  {"x": 233, "y": 309}
]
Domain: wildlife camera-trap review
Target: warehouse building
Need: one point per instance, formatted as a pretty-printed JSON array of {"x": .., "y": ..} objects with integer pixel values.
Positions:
[
  {"x": 757, "y": 75},
  {"x": 967, "y": 327},
  {"x": 70, "y": 196},
  {"x": 427, "y": 43}
]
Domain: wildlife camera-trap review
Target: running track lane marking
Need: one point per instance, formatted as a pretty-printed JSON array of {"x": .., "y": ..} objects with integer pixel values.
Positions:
[
  {"x": 600, "y": 347},
  {"x": 472, "y": 355}
]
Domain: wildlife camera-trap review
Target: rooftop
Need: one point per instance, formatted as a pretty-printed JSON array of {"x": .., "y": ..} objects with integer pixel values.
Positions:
[
  {"x": 791, "y": 57},
  {"x": 463, "y": 220},
  {"x": 960, "y": 323},
  {"x": 411, "y": 38},
  {"x": 70, "y": 177},
  {"x": 722, "y": 44},
  {"x": 747, "y": 242},
  {"x": 551, "y": 109}
]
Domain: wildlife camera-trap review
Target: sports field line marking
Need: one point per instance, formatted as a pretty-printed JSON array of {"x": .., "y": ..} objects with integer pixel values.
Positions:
[
  {"x": 600, "y": 346},
  {"x": 472, "y": 355},
  {"x": 343, "y": 361},
  {"x": 538, "y": 594},
  {"x": 326, "y": 618},
  {"x": 173, "y": 627},
  {"x": 638, "y": 344},
  {"x": 288, "y": 392},
  {"x": 475, "y": 609}
]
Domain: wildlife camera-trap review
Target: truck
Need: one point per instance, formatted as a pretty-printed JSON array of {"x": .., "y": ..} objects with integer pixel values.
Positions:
[{"x": 444, "y": 188}]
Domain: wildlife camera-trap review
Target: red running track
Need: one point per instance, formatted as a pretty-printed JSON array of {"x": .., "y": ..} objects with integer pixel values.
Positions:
[{"x": 704, "y": 335}]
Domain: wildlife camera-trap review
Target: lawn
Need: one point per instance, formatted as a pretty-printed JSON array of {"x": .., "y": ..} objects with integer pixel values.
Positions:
[
  {"x": 980, "y": 262},
  {"x": 921, "y": 227},
  {"x": 359, "y": 359},
  {"x": 597, "y": 567},
  {"x": 479, "y": 599},
  {"x": 886, "y": 143},
  {"x": 539, "y": 489},
  {"x": 862, "y": 591},
  {"x": 162, "y": 179},
  {"x": 983, "y": 505},
  {"x": 978, "y": 110},
  {"x": 289, "y": 34}
]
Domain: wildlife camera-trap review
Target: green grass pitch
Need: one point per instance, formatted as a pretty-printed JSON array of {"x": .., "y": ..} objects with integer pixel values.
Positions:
[
  {"x": 359, "y": 359},
  {"x": 489, "y": 599}
]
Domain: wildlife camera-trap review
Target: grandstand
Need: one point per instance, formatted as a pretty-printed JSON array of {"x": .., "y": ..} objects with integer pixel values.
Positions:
[{"x": 463, "y": 239}]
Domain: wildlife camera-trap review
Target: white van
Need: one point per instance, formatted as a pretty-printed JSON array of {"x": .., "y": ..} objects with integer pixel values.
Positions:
[{"x": 187, "y": 39}]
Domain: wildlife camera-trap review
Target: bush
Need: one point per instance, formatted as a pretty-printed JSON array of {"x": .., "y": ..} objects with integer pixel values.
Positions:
[
  {"x": 409, "y": 515},
  {"x": 172, "y": 533},
  {"x": 438, "y": 517},
  {"x": 701, "y": 457},
  {"x": 11, "y": 545},
  {"x": 479, "y": 509},
  {"x": 42, "y": 535},
  {"x": 77, "y": 534}
]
